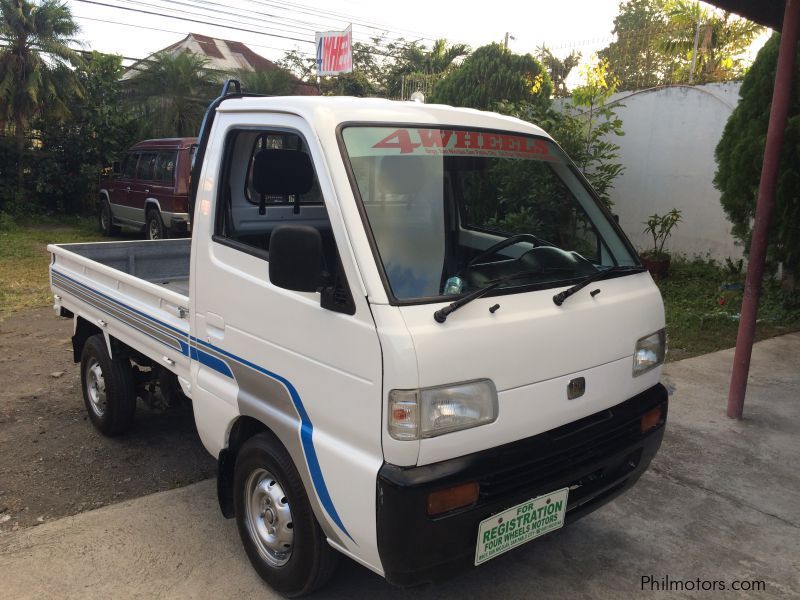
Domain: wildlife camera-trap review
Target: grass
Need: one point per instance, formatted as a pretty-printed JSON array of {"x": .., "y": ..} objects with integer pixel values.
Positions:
[
  {"x": 702, "y": 301},
  {"x": 24, "y": 258}
]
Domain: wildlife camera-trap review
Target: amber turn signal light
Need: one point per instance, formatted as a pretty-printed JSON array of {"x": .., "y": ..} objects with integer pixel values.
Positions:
[
  {"x": 451, "y": 498},
  {"x": 650, "y": 419}
]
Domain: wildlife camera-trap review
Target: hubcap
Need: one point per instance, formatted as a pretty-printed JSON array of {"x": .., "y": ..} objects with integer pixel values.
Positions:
[
  {"x": 96, "y": 387},
  {"x": 269, "y": 517}
]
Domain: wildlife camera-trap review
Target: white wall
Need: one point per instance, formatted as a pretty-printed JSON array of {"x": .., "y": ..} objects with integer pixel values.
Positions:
[{"x": 668, "y": 153}]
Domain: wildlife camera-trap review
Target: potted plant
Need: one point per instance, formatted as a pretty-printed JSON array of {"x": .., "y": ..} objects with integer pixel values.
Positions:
[{"x": 660, "y": 228}]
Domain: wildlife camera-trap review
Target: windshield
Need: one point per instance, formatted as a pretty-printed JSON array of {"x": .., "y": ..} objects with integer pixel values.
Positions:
[{"x": 455, "y": 210}]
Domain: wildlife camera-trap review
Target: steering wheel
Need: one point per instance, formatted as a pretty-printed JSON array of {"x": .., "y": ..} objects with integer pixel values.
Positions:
[{"x": 514, "y": 239}]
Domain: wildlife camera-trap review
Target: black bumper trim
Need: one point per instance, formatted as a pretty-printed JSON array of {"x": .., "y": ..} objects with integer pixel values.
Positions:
[{"x": 598, "y": 457}]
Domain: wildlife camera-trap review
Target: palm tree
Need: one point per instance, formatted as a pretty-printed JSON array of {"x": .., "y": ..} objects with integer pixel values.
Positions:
[
  {"x": 173, "y": 90},
  {"x": 425, "y": 67},
  {"x": 722, "y": 39},
  {"x": 559, "y": 69},
  {"x": 35, "y": 66},
  {"x": 276, "y": 82}
]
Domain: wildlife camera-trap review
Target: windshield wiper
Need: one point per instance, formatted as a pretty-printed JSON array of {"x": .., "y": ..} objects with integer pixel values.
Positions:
[
  {"x": 440, "y": 316},
  {"x": 559, "y": 298}
]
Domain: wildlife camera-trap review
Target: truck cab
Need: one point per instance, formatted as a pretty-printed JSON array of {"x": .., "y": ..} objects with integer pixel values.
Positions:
[{"x": 411, "y": 334}]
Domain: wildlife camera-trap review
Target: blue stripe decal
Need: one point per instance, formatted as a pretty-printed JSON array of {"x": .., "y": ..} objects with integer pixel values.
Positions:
[
  {"x": 115, "y": 301},
  {"x": 306, "y": 435},
  {"x": 212, "y": 362},
  {"x": 306, "y": 427}
]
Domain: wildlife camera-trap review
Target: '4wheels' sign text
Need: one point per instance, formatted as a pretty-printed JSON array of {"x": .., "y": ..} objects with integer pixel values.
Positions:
[{"x": 460, "y": 142}]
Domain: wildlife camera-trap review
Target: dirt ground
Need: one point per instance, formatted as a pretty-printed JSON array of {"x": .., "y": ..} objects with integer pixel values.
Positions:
[{"x": 53, "y": 463}]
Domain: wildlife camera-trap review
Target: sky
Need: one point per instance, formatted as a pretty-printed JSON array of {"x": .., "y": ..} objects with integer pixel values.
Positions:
[{"x": 271, "y": 27}]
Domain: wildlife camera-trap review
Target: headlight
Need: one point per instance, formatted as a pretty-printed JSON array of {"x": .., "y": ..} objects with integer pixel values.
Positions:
[
  {"x": 427, "y": 412},
  {"x": 649, "y": 352}
]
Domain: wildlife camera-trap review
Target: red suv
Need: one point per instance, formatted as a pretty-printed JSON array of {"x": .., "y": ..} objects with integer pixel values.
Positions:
[{"x": 149, "y": 189}]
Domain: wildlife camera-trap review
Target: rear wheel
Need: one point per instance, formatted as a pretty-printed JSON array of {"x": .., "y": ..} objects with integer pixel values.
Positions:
[
  {"x": 109, "y": 391},
  {"x": 154, "y": 225},
  {"x": 277, "y": 526}
]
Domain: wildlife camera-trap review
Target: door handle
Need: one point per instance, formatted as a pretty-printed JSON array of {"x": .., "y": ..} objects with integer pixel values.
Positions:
[
  {"x": 128, "y": 189},
  {"x": 147, "y": 191}
]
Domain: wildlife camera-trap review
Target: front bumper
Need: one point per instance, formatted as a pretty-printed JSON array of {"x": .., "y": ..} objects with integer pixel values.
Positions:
[
  {"x": 597, "y": 457},
  {"x": 179, "y": 222}
]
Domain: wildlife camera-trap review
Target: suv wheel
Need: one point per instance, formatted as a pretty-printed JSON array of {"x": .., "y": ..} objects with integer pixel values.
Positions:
[
  {"x": 154, "y": 225},
  {"x": 107, "y": 226}
]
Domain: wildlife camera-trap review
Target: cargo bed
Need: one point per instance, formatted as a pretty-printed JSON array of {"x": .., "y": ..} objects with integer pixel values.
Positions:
[{"x": 136, "y": 291}]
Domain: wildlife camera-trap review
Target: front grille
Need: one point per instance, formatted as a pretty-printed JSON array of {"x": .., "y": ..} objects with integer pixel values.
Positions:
[{"x": 590, "y": 440}]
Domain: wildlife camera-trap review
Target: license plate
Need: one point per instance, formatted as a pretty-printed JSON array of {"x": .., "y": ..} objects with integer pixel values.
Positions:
[{"x": 519, "y": 524}]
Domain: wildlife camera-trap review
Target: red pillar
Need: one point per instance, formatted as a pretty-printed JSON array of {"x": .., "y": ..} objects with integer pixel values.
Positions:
[{"x": 781, "y": 96}]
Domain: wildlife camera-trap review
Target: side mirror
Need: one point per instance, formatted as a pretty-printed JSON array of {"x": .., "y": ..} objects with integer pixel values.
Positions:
[
  {"x": 116, "y": 167},
  {"x": 295, "y": 258}
]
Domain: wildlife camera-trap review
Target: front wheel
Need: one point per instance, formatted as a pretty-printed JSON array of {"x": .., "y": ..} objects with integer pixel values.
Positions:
[{"x": 279, "y": 531}]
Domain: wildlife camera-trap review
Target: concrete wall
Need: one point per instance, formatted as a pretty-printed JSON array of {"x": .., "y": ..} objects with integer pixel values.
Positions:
[{"x": 668, "y": 153}]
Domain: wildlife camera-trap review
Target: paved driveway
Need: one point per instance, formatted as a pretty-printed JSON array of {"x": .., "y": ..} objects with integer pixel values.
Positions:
[{"x": 721, "y": 503}]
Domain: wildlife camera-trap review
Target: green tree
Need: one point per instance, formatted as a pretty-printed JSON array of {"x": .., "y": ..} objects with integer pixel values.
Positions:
[
  {"x": 492, "y": 74},
  {"x": 278, "y": 82},
  {"x": 722, "y": 39},
  {"x": 173, "y": 91},
  {"x": 558, "y": 69},
  {"x": 634, "y": 56},
  {"x": 416, "y": 63},
  {"x": 584, "y": 126},
  {"x": 739, "y": 156},
  {"x": 35, "y": 65},
  {"x": 74, "y": 152},
  {"x": 655, "y": 42}
]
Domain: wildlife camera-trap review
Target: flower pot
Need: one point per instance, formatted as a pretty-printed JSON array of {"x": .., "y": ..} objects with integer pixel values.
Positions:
[{"x": 658, "y": 267}]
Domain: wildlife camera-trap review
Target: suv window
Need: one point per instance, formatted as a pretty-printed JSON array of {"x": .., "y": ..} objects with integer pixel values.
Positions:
[
  {"x": 129, "y": 168},
  {"x": 146, "y": 168},
  {"x": 165, "y": 166}
]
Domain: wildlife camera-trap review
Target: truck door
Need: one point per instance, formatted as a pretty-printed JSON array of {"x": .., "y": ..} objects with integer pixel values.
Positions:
[{"x": 310, "y": 374}]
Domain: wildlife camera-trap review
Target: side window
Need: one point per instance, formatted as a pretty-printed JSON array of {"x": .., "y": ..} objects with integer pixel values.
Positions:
[
  {"x": 268, "y": 180},
  {"x": 129, "y": 167},
  {"x": 278, "y": 141},
  {"x": 147, "y": 164},
  {"x": 165, "y": 166}
]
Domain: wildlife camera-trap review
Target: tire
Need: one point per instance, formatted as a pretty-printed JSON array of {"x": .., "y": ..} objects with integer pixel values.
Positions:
[
  {"x": 294, "y": 558},
  {"x": 154, "y": 227},
  {"x": 109, "y": 391},
  {"x": 106, "y": 219}
]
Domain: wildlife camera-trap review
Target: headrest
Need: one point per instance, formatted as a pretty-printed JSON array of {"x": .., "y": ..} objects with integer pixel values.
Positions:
[
  {"x": 282, "y": 172},
  {"x": 401, "y": 174}
]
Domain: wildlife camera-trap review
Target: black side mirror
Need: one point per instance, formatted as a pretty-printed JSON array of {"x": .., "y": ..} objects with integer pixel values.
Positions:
[
  {"x": 295, "y": 258},
  {"x": 116, "y": 167}
]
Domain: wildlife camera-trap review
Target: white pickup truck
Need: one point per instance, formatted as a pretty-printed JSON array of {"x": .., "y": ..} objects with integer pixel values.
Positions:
[{"x": 411, "y": 334}]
